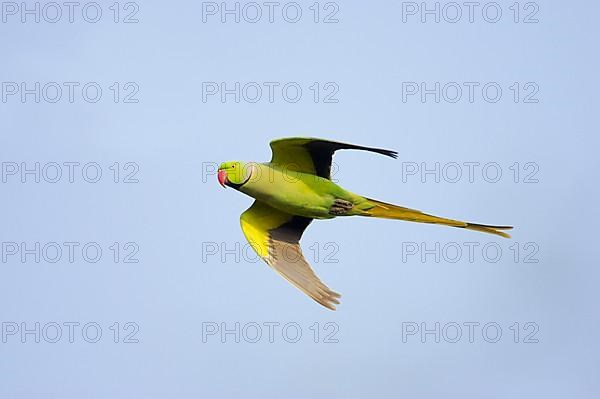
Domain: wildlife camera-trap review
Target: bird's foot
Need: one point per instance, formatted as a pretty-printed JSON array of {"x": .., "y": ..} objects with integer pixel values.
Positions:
[{"x": 340, "y": 207}]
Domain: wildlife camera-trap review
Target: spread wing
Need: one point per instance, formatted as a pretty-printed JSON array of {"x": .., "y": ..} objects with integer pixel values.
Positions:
[
  {"x": 275, "y": 236},
  {"x": 313, "y": 156}
]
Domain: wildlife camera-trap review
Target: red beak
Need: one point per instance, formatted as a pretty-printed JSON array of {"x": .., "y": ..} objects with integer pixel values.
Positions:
[{"x": 222, "y": 176}]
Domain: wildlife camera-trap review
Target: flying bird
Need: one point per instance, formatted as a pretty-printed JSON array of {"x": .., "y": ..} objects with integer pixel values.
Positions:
[{"x": 294, "y": 188}]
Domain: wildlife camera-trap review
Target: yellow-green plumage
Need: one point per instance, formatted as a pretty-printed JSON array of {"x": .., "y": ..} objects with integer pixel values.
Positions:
[{"x": 295, "y": 188}]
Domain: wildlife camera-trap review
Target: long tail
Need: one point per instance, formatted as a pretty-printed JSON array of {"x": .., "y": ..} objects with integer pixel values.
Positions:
[{"x": 389, "y": 211}]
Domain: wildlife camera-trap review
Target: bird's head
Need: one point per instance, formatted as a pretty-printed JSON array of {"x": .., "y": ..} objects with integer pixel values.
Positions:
[{"x": 234, "y": 173}]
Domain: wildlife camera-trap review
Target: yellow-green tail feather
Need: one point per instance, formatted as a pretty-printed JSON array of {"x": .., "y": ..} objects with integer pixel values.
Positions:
[{"x": 389, "y": 211}]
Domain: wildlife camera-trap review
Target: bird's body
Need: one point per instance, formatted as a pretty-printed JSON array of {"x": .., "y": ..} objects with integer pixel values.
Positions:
[
  {"x": 296, "y": 193},
  {"x": 295, "y": 188}
]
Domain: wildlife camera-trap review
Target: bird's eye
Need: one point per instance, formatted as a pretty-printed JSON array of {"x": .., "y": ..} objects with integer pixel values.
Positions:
[{"x": 233, "y": 166}]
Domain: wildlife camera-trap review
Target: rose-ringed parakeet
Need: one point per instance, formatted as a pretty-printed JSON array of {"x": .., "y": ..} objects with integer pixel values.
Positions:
[{"x": 293, "y": 189}]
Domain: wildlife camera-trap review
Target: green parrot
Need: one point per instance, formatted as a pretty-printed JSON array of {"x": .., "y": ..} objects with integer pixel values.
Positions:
[{"x": 295, "y": 188}]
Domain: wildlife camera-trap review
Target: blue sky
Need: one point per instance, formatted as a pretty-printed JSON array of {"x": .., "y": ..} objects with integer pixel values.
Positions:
[{"x": 136, "y": 239}]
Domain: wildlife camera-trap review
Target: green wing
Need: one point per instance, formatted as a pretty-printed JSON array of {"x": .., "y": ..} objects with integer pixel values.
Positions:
[
  {"x": 275, "y": 236},
  {"x": 308, "y": 155}
]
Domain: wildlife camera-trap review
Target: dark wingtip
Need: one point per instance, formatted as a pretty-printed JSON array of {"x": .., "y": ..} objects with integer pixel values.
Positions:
[
  {"x": 381, "y": 151},
  {"x": 389, "y": 153}
]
